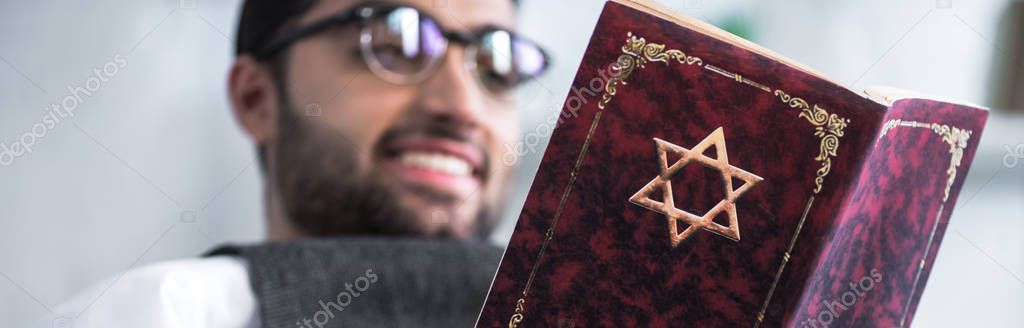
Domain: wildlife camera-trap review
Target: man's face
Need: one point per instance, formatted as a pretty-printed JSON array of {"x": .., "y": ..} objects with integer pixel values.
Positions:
[{"x": 357, "y": 154}]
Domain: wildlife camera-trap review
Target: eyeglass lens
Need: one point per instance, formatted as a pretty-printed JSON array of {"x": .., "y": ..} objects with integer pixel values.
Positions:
[{"x": 403, "y": 46}]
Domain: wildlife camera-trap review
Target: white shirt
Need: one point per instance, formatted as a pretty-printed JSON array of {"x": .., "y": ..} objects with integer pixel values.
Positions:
[{"x": 203, "y": 292}]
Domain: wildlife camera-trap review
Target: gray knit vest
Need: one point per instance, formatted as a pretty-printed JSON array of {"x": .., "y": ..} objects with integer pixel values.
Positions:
[{"x": 368, "y": 282}]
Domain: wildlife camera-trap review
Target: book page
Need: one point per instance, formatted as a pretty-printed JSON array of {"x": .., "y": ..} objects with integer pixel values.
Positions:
[
  {"x": 880, "y": 94},
  {"x": 684, "y": 20}
]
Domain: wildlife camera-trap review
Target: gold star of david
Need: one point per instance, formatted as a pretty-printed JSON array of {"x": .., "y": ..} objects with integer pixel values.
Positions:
[{"x": 663, "y": 183}]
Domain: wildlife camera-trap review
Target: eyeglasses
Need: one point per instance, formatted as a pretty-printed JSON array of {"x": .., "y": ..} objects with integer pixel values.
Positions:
[{"x": 402, "y": 45}]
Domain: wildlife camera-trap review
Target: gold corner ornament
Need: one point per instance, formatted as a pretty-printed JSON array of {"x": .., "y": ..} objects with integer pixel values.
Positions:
[
  {"x": 662, "y": 183},
  {"x": 517, "y": 317},
  {"x": 637, "y": 53},
  {"x": 827, "y": 127},
  {"x": 956, "y": 138},
  {"x": 953, "y": 136}
]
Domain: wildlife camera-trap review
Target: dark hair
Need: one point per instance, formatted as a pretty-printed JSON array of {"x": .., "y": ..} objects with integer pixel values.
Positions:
[{"x": 261, "y": 20}]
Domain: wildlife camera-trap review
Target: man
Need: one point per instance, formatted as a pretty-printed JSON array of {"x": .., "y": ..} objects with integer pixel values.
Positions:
[{"x": 369, "y": 119}]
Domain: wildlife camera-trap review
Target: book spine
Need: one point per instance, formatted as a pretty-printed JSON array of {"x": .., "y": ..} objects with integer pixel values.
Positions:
[{"x": 876, "y": 260}]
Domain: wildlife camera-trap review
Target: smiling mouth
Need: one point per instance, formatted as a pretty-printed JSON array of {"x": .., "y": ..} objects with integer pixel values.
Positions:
[
  {"x": 441, "y": 165},
  {"x": 436, "y": 162}
]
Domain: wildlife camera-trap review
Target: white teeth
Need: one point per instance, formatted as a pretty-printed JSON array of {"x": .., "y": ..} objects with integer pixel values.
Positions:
[{"x": 439, "y": 162}]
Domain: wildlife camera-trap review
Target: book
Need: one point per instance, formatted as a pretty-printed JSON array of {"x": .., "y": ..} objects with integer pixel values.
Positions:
[{"x": 696, "y": 179}]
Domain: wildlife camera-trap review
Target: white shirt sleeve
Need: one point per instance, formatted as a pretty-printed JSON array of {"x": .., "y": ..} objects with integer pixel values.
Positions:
[{"x": 206, "y": 292}]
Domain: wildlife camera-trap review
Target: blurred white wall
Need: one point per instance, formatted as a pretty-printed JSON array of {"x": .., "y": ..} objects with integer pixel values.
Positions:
[
  {"x": 152, "y": 166},
  {"x": 106, "y": 191}
]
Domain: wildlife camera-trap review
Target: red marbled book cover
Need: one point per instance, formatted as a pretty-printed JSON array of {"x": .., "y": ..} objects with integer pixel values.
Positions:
[{"x": 693, "y": 182}]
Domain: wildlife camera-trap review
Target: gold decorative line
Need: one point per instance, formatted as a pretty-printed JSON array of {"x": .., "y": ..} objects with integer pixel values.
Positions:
[
  {"x": 635, "y": 53},
  {"x": 785, "y": 260},
  {"x": 720, "y": 71},
  {"x": 762, "y": 87},
  {"x": 737, "y": 77},
  {"x": 828, "y": 127},
  {"x": 920, "y": 267},
  {"x": 518, "y": 315},
  {"x": 892, "y": 124},
  {"x": 955, "y": 137}
]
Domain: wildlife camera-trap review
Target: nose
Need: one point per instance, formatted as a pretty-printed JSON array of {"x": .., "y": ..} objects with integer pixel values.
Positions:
[{"x": 452, "y": 93}]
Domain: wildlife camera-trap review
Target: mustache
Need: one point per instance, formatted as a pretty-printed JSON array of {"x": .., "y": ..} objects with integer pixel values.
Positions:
[
  {"x": 433, "y": 128},
  {"x": 425, "y": 127}
]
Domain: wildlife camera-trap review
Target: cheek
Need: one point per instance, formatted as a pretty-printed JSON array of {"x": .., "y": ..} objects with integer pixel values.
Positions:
[
  {"x": 362, "y": 113},
  {"x": 504, "y": 129},
  {"x": 352, "y": 103},
  {"x": 504, "y": 124}
]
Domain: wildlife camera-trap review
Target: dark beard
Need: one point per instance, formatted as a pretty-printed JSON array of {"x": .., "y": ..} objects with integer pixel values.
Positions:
[{"x": 326, "y": 193}]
